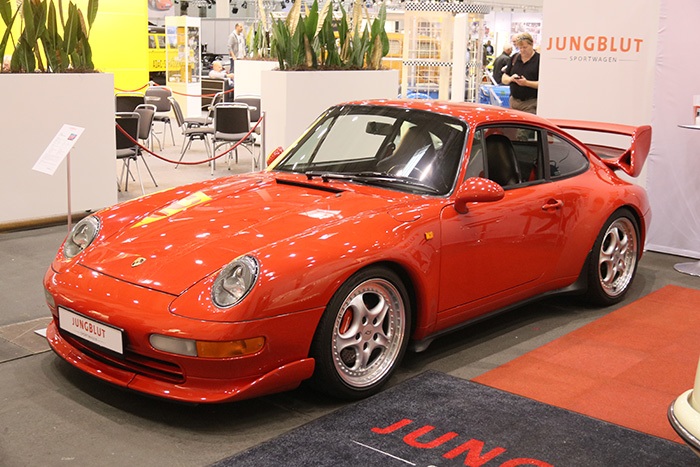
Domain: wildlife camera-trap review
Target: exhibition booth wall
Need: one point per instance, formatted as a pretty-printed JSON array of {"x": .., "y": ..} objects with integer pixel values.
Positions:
[
  {"x": 674, "y": 163},
  {"x": 600, "y": 62},
  {"x": 118, "y": 41}
]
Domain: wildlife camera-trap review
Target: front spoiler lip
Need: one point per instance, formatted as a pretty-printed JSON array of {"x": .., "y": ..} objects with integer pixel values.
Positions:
[{"x": 193, "y": 390}]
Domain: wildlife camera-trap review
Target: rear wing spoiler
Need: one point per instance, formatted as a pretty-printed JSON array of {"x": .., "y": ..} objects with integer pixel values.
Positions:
[{"x": 630, "y": 160}]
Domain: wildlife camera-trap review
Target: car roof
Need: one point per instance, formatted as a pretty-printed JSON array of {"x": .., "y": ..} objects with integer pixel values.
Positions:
[{"x": 471, "y": 113}]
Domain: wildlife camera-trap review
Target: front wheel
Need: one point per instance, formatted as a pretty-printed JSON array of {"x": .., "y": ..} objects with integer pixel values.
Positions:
[
  {"x": 363, "y": 334},
  {"x": 614, "y": 260}
]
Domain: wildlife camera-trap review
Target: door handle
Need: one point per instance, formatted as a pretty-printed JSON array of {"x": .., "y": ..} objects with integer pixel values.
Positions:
[{"x": 552, "y": 204}]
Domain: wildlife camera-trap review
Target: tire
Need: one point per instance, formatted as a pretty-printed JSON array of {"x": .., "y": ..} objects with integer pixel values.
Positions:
[
  {"x": 613, "y": 261},
  {"x": 362, "y": 336}
]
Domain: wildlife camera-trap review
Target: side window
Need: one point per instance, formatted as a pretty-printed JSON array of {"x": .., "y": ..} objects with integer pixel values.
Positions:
[
  {"x": 513, "y": 155},
  {"x": 565, "y": 159}
]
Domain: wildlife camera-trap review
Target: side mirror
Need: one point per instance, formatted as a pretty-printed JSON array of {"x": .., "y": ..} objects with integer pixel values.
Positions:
[
  {"x": 477, "y": 190},
  {"x": 274, "y": 155}
]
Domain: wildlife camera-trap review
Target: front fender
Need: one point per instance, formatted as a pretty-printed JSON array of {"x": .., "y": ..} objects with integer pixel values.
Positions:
[{"x": 304, "y": 272}]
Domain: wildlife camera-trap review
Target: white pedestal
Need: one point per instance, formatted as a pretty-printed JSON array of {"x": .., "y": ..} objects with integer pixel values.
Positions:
[
  {"x": 36, "y": 106},
  {"x": 247, "y": 76},
  {"x": 292, "y": 100},
  {"x": 189, "y": 96}
]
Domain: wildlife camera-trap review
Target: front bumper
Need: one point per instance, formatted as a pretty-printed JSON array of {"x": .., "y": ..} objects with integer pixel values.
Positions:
[{"x": 280, "y": 366}]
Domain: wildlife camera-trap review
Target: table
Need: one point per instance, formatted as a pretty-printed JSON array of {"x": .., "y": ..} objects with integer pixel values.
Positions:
[{"x": 691, "y": 267}]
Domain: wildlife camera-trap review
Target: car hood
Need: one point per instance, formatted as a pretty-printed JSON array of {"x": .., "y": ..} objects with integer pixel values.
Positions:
[{"x": 202, "y": 228}]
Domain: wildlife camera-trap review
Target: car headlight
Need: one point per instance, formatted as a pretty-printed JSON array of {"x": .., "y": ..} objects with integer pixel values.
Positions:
[
  {"x": 235, "y": 281},
  {"x": 81, "y": 236}
]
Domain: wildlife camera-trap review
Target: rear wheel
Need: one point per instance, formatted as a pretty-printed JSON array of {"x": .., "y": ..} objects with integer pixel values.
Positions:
[
  {"x": 362, "y": 335},
  {"x": 614, "y": 260}
]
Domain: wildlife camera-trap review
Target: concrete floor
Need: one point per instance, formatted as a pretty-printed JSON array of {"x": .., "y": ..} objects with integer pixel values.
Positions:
[{"x": 53, "y": 415}]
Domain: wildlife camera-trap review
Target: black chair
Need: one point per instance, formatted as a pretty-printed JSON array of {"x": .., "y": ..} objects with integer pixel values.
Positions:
[
  {"x": 146, "y": 113},
  {"x": 158, "y": 96},
  {"x": 126, "y": 149},
  {"x": 128, "y": 101},
  {"x": 192, "y": 129},
  {"x": 502, "y": 164},
  {"x": 231, "y": 125},
  {"x": 253, "y": 103}
]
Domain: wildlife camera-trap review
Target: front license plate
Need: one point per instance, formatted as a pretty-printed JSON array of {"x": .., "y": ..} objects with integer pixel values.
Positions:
[{"x": 90, "y": 330}]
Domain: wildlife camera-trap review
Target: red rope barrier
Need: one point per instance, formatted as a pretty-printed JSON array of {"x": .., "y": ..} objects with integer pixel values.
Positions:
[
  {"x": 132, "y": 90},
  {"x": 186, "y": 162},
  {"x": 174, "y": 92},
  {"x": 200, "y": 95}
]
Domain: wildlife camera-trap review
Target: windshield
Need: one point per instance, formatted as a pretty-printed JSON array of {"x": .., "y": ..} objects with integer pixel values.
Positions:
[{"x": 402, "y": 149}]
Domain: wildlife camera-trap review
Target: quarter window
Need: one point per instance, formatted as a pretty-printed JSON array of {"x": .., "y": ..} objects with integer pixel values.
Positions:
[{"x": 565, "y": 159}]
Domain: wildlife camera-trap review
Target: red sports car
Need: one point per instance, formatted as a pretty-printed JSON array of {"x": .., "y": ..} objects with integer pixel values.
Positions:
[{"x": 387, "y": 223}]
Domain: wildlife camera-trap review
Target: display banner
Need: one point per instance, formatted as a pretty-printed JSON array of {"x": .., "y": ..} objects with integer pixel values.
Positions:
[
  {"x": 630, "y": 62},
  {"x": 598, "y": 59}
]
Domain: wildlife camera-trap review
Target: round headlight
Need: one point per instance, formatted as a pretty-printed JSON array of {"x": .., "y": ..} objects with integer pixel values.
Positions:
[
  {"x": 81, "y": 236},
  {"x": 235, "y": 281}
]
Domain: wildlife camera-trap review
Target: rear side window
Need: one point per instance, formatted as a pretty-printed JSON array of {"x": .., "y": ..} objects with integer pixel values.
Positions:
[{"x": 565, "y": 159}]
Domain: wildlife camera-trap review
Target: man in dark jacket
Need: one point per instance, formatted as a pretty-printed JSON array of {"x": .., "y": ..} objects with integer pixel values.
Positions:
[{"x": 501, "y": 62}]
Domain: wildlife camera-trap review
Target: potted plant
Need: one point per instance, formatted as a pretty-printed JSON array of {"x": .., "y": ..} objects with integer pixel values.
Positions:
[
  {"x": 322, "y": 61},
  {"x": 65, "y": 48},
  {"x": 248, "y": 72},
  {"x": 49, "y": 81}
]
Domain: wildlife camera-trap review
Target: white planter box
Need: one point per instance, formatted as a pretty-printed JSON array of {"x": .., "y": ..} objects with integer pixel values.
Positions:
[
  {"x": 292, "y": 100},
  {"x": 246, "y": 75},
  {"x": 35, "y": 107}
]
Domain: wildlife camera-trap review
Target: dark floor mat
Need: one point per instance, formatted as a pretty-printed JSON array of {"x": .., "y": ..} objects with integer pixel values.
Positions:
[{"x": 440, "y": 420}]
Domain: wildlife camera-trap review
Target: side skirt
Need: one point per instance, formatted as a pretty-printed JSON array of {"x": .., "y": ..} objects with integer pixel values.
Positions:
[{"x": 577, "y": 288}]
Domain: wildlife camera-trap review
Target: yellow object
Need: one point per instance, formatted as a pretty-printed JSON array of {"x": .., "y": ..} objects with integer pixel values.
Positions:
[
  {"x": 156, "y": 52},
  {"x": 119, "y": 41}
]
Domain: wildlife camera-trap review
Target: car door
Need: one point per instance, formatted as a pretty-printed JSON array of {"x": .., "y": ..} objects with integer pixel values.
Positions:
[{"x": 500, "y": 251}]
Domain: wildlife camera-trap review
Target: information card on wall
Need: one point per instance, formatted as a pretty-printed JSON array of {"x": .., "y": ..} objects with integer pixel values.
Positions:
[{"x": 58, "y": 149}]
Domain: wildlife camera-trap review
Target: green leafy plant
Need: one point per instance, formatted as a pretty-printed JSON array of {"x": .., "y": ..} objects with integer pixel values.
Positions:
[
  {"x": 46, "y": 33},
  {"x": 309, "y": 41}
]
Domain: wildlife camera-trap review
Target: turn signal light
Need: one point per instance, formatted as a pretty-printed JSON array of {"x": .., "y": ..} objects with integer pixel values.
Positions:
[
  {"x": 207, "y": 349},
  {"x": 230, "y": 349}
]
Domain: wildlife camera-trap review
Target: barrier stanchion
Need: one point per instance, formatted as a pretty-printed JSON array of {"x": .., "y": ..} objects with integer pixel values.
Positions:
[{"x": 263, "y": 153}]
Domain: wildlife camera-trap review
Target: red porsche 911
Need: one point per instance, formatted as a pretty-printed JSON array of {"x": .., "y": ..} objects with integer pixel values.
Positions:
[{"x": 386, "y": 225}]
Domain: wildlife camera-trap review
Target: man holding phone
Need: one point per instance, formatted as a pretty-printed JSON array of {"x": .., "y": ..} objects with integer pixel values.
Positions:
[{"x": 522, "y": 75}]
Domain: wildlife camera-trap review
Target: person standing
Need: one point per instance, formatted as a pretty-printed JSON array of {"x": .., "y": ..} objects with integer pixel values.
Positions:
[
  {"x": 488, "y": 48},
  {"x": 522, "y": 75},
  {"x": 236, "y": 44},
  {"x": 501, "y": 62}
]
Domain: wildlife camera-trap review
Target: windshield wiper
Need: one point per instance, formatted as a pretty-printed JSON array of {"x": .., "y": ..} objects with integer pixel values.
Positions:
[
  {"x": 372, "y": 178},
  {"x": 325, "y": 176}
]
